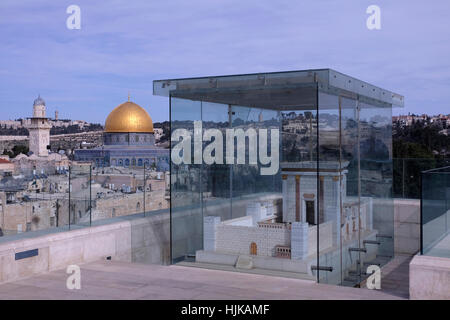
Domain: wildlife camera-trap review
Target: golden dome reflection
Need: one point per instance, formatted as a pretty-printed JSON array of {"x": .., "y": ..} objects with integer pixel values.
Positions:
[{"x": 129, "y": 117}]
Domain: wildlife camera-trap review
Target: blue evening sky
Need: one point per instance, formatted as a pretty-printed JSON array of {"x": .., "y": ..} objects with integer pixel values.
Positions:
[{"x": 125, "y": 45}]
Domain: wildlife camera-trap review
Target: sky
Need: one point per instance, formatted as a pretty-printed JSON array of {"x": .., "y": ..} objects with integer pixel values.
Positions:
[{"x": 123, "y": 45}]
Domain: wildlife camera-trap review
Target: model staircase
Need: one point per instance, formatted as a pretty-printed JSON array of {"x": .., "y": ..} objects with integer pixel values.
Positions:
[{"x": 358, "y": 275}]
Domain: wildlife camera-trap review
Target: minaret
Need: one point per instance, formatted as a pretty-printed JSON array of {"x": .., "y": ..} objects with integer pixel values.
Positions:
[{"x": 39, "y": 129}]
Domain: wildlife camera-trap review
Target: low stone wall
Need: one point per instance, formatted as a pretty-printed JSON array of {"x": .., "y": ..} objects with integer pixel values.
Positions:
[
  {"x": 259, "y": 262},
  {"x": 406, "y": 226},
  {"x": 429, "y": 278},
  {"x": 133, "y": 239}
]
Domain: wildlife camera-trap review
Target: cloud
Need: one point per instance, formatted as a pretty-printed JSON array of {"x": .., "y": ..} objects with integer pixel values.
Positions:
[{"x": 124, "y": 45}]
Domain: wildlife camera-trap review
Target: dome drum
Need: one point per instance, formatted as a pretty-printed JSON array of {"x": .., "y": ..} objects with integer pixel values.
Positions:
[{"x": 129, "y": 139}]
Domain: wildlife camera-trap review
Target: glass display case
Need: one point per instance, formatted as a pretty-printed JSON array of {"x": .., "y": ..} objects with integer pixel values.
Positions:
[{"x": 288, "y": 173}]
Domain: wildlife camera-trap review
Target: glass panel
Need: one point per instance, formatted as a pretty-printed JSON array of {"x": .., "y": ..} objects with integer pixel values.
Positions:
[
  {"x": 436, "y": 212},
  {"x": 375, "y": 127},
  {"x": 240, "y": 198},
  {"x": 407, "y": 174},
  {"x": 80, "y": 198},
  {"x": 352, "y": 205},
  {"x": 328, "y": 190},
  {"x": 299, "y": 184},
  {"x": 186, "y": 210},
  {"x": 354, "y": 188},
  {"x": 216, "y": 176},
  {"x": 249, "y": 185}
]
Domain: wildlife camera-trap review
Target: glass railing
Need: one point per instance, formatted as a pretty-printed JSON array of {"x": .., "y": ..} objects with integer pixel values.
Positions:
[
  {"x": 435, "y": 212},
  {"x": 407, "y": 174},
  {"x": 81, "y": 195},
  {"x": 109, "y": 192}
]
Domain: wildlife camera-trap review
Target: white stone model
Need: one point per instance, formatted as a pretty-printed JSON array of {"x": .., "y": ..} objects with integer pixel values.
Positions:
[{"x": 260, "y": 233}]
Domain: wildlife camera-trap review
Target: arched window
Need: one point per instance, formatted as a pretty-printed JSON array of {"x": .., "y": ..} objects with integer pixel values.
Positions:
[
  {"x": 140, "y": 163},
  {"x": 138, "y": 206}
]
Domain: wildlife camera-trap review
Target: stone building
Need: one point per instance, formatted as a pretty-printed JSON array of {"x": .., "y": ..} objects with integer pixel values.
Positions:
[
  {"x": 6, "y": 166},
  {"x": 39, "y": 128}
]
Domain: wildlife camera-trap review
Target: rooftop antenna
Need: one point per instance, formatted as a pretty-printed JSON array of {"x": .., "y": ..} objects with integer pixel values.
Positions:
[{"x": 128, "y": 96}]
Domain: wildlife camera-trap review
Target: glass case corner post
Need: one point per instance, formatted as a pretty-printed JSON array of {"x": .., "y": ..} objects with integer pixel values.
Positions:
[
  {"x": 90, "y": 195},
  {"x": 144, "y": 187},
  {"x": 170, "y": 179},
  {"x": 70, "y": 192}
]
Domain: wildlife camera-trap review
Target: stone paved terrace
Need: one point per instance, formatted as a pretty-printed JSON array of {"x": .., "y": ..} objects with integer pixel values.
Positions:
[
  {"x": 395, "y": 276},
  {"x": 121, "y": 280}
]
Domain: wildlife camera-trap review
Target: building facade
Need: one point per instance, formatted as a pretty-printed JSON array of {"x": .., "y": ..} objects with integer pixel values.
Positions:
[{"x": 39, "y": 128}]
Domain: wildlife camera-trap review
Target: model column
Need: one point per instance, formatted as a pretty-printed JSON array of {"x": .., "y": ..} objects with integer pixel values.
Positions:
[{"x": 298, "y": 205}]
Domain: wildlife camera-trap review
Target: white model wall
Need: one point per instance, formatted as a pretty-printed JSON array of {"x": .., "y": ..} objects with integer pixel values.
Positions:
[
  {"x": 260, "y": 210},
  {"x": 299, "y": 240},
  {"x": 288, "y": 188},
  {"x": 237, "y": 239},
  {"x": 210, "y": 224}
]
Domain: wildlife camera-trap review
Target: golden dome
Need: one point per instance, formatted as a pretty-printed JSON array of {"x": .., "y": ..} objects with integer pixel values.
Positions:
[{"x": 129, "y": 117}]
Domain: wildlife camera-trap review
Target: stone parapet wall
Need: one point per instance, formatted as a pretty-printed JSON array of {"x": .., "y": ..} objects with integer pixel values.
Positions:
[
  {"x": 429, "y": 278},
  {"x": 406, "y": 226},
  {"x": 132, "y": 239}
]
